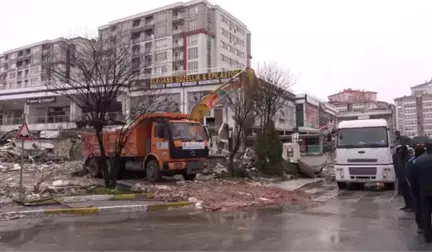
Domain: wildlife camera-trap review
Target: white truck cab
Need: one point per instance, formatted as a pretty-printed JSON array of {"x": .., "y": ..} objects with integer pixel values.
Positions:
[{"x": 363, "y": 153}]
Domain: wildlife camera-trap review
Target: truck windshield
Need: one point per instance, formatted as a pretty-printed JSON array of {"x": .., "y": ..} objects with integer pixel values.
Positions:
[
  {"x": 371, "y": 137},
  {"x": 188, "y": 131}
]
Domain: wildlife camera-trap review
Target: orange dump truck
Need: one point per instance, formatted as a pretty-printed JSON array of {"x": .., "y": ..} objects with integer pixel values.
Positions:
[{"x": 159, "y": 144}]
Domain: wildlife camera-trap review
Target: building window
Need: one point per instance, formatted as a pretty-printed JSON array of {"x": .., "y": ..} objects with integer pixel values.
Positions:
[
  {"x": 161, "y": 69},
  {"x": 35, "y": 70},
  {"x": 161, "y": 43},
  {"x": 193, "y": 40},
  {"x": 193, "y": 25},
  {"x": 193, "y": 66},
  {"x": 193, "y": 53},
  {"x": 161, "y": 56},
  {"x": 239, "y": 30},
  {"x": 161, "y": 17},
  {"x": 193, "y": 11},
  {"x": 160, "y": 30},
  {"x": 225, "y": 33}
]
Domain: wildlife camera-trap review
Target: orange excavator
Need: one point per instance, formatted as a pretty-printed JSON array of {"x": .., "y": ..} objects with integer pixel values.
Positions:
[
  {"x": 243, "y": 79},
  {"x": 163, "y": 143}
]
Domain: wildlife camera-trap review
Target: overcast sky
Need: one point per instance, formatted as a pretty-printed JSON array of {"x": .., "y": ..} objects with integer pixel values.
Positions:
[{"x": 378, "y": 45}]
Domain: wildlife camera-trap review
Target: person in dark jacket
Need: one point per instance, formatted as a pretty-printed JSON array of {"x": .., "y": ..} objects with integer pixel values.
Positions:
[
  {"x": 424, "y": 175},
  {"x": 396, "y": 158},
  {"x": 403, "y": 180},
  {"x": 413, "y": 183}
]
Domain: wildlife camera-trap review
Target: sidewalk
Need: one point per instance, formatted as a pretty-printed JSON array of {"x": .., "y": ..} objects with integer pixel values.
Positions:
[{"x": 295, "y": 184}]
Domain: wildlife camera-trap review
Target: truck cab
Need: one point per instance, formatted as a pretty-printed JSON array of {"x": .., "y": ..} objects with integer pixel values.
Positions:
[
  {"x": 364, "y": 153},
  {"x": 179, "y": 146}
]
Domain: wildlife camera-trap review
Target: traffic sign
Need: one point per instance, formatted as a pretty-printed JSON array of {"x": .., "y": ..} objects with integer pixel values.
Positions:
[{"x": 23, "y": 132}]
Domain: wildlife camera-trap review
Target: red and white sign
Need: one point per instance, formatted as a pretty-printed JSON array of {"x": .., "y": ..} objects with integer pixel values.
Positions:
[{"x": 23, "y": 132}]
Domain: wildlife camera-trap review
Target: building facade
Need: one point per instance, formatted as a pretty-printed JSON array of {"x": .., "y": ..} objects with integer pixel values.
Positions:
[
  {"x": 26, "y": 88},
  {"x": 186, "y": 38},
  {"x": 360, "y": 104},
  {"x": 414, "y": 111},
  {"x": 313, "y": 113},
  {"x": 184, "y": 44}
]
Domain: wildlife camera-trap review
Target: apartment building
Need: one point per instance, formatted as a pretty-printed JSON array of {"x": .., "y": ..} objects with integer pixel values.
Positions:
[
  {"x": 190, "y": 49},
  {"x": 27, "y": 87},
  {"x": 360, "y": 104},
  {"x": 185, "y": 43},
  {"x": 414, "y": 111}
]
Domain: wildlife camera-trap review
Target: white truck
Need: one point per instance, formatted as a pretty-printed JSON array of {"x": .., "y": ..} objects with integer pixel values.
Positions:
[{"x": 364, "y": 153}]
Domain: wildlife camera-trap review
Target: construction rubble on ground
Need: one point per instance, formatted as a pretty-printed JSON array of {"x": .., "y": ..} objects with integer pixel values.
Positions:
[
  {"x": 50, "y": 170},
  {"x": 48, "y": 167},
  {"x": 42, "y": 180},
  {"x": 220, "y": 195}
]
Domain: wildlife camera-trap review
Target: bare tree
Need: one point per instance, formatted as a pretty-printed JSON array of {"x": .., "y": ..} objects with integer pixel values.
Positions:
[
  {"x": 241, "y": 102},
  {"x": 148, "y": 104},
  {"x": 273, "y": 84},
  {"x": 92, "y": 74}
]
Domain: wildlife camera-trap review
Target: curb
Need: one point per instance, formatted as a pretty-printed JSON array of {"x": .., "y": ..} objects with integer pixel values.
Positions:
[
  {"x": 83, "y": 198},
  {"x": 315, "y": 183},
  {"x": 100, "y": 210},
  {"x": 103, "y": 197}
]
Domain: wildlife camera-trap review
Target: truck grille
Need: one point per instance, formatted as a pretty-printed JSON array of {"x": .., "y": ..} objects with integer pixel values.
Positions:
[
  {"x": 362, "y": 170},
  {"x": 363, "y": 160}
]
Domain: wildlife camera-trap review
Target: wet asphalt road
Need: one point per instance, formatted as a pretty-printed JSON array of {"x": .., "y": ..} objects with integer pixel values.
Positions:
[{"x": 351, "y": 220}]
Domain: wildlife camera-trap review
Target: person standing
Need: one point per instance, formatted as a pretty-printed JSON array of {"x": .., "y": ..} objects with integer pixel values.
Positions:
[
  {"x": 413, "y": 182},
  {"x": 403, "y": 180},
  {"x": 396, "y": 158},
  {"x": 424, "y": 166}
]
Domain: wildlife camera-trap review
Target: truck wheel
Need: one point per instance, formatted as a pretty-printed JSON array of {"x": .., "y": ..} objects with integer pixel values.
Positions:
[
  {"x": 341, "y": 185},
  {"x": 93, "y": 168},
  {"x": 188, "y": 176},
  {"x": 153, "y": 172}
]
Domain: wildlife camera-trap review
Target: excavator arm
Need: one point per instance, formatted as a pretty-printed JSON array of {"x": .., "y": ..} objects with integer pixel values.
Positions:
[{"x": 244, "y": 78}]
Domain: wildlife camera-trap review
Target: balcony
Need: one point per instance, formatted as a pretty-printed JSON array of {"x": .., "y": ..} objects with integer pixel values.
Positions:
[
  {"x": 143, "y": 27},
  {"x": 178, "y": 44},
  {"x": 148, "y": 37},
  {"x": 177, "y": 30},
  {"x": 178, "y": 18},
  {"x": 178, "y": 58}
]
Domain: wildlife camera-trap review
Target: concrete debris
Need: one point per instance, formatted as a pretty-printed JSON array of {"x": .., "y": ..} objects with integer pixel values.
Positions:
[
  {"x": 43, "y": 180},
  {"x": 215, "y": 195},
  {"x": 49, "y": 134},
  {"x": 33, "y": 153}
]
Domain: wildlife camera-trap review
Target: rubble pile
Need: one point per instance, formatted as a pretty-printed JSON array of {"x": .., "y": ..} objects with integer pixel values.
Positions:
[
  {"x": 38, "y": 152},
  {"x": 222, "y": 195},
  {"x": 42, "y": 180}
]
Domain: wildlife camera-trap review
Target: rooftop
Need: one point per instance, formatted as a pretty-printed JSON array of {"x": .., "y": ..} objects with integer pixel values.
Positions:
[
  {"x": 349, "y": 90},
  {"x": 424, "y": 84},
  {"x": 171, "y": 6}
]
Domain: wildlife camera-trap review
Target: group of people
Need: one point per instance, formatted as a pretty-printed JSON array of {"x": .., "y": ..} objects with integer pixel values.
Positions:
[{"x": 414, "y": 176}]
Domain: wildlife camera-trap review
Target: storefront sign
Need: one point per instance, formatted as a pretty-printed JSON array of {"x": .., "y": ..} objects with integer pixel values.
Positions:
[
  {"x": 191, "y": 80},
  {"x": 41, "y": 100}
]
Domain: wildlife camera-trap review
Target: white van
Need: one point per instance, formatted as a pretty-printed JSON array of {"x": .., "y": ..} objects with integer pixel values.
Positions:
[{"x": 363, "y": 153}]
